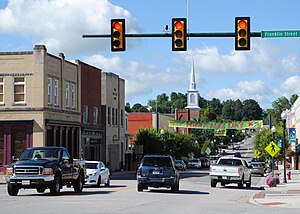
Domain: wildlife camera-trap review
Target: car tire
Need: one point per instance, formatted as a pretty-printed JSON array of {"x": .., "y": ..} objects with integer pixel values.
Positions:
[
  {"x": 222, "y": 184},
  {"x": 140, "y": 188},
  {"x": 213, "y": 183},
  {"x": 41, "y": 189},
  {"x": 99, "y": 181},
  {"x": 177, "y": 187},
  {"x": 248, "y": 184},
  {"x": 241, "y": 183},
  {"x": 107, "y": 184},
  {"x": 12, "y": 190},
  {"x": 173, "y": 187},
  {"x": 78, "y": 184},
  {"x": 55, "y": 187}
]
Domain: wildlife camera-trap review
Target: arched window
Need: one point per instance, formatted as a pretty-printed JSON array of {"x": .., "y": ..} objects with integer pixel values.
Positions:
[{"x": 192, "y": 98}]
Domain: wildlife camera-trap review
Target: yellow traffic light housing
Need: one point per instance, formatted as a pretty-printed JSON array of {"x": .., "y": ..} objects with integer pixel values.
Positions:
[
  {"x": 118, "y": 35},
  {"x": 179, "y": 34},
  {"x": 242, "y": 33}
]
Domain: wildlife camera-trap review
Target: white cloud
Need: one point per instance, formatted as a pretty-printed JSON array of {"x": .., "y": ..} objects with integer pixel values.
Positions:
[
  {"x": 290, "y": 63},
  {"x": 243, "y": 90},
  {"x": 291, "y": 85},
  {"x": 141, "y": 79},
  {"x": 210, "y": 60},
  {"x": 60, "y": 24}
]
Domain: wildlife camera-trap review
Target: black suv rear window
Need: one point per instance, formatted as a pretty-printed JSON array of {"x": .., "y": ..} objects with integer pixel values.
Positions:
[{"x": 157, "y": 161}]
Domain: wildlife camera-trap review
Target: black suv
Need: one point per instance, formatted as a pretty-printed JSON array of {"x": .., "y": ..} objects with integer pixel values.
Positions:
[{"x": 157, "y": 171}]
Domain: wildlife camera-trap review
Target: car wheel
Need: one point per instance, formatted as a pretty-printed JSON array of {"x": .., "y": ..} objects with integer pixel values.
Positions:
[
  {"x": 241, "y": 183},
  {"x": 40, "y": 189},
  {"x": 177, "y": 187},
  {"x": 99, "y": 181},
  {"x": 107, "y": 184},
  {"x": 248, "y": 184},
  {"x": 12, "y": 190},
  {"x": 213, "y": 183},
  {"x": 55, "y": 187},
  {"x": 173, "y": 187},
  {"x": 222, "y": 184},
  {"x": 78, "y": 184},
  {"x": 139, "y": 188}
]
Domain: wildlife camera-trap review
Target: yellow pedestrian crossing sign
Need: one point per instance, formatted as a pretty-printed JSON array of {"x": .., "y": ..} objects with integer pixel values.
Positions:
[
  {"x": 272, "y": 149},
  {"x": 256, "y": 153}
]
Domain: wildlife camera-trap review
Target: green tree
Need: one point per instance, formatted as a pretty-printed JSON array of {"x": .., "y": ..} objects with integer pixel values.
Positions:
[
  {"x": 139, "y": 108},
  {"x": 228, "y": 110},
  {"x": 238, "y": 110},
  {"x": 216, "y": 105},
  {"x": 252, "y": 110}
]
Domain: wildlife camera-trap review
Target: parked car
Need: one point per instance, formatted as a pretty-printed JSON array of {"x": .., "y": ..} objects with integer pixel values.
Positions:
[
  {"x": 97, "y": 173},
  {"x": 204, "y": 162},
  {"x": 258, "y": 168},
  {"x": 180, "y": 165},
  {"x": 230, "y": 170},
  {"x": 194, "y": 164},
  {"x": 157, "y": 171}
]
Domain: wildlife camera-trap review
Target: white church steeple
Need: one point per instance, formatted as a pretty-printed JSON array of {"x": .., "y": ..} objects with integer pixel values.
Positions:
[{"x": 192, "y": 95}]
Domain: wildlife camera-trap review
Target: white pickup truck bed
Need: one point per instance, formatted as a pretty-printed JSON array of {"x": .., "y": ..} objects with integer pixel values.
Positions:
[{"x": 230, "y": 170}]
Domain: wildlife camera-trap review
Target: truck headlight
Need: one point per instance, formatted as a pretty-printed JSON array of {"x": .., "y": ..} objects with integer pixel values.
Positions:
[
  {"x": 9, "y": 171},
  {"x": 48, "y": 171}
]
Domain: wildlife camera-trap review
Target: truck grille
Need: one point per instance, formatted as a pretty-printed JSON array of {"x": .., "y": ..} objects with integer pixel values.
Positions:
[{"x": 28, "y": 170}]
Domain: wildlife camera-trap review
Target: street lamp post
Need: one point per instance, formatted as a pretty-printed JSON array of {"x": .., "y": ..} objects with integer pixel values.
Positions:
[
  {"x": 283, "y": 117},
  {"x": 273, "y": 129}
]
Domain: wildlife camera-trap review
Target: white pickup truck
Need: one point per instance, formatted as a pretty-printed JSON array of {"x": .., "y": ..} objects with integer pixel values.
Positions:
[{"x": 230, "y": 170}]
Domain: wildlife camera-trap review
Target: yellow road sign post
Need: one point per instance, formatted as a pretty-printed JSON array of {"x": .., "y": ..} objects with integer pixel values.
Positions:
[{"x": 272, "y": 149}]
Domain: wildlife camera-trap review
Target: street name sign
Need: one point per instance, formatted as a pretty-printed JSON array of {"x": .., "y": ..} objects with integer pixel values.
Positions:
[
  {"x": 272, "y": 149},
  {"x": 280, "y": 33}
]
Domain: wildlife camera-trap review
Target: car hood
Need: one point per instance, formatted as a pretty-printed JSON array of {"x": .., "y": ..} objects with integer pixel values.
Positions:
[
  {"x": 39, "y": 162},
  {"x": 91, "y": 171}
]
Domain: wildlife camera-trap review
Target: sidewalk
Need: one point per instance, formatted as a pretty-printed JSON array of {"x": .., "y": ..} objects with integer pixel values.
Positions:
[{"x": 284, "y": 195}]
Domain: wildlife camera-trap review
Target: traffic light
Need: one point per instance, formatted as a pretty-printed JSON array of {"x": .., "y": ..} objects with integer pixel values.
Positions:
[
  {"x": 242, "y": 33},
  {"x": 179, "y": 34},
  {"x": 118, "y": 35}
]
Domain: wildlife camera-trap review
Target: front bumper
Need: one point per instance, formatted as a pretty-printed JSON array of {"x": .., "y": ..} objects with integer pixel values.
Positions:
[
  {"x": 91, "y": 180},
  {"x": 30, "y": 181}
]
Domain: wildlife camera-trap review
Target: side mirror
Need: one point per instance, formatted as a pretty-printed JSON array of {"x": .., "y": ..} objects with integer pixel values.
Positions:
[{"x": 14, "y": 158}]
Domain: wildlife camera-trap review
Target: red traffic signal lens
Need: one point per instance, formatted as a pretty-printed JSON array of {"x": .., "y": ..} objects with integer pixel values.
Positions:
[
  {"x": 242, "y": 24},
  {"x": 116, "y": 25},
  {"x": 178, "y": 25}
]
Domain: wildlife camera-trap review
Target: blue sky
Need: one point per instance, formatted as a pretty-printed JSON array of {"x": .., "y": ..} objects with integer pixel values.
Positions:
[{"x": 268, "y": 71}]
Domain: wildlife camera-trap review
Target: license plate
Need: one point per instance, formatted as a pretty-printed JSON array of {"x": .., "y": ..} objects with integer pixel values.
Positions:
[
  {"x": 224, "y": 177},
  {"x": 25, "y": 182},
  {"x": 156, "y": 172}
]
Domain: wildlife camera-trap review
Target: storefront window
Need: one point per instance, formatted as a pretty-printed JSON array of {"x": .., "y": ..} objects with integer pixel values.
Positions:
[{"x": 18, "y": 142}]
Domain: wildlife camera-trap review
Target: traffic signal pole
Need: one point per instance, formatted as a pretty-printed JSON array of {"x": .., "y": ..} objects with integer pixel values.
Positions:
[{"x": 222, "y": 34}]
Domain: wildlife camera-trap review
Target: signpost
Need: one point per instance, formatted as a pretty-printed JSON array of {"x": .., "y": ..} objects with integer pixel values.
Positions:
[
  {"x": 272, "y": 149},
  {"x": 280, "y": 33}
]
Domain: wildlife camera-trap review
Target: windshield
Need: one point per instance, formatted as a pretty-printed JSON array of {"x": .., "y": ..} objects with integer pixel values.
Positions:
[
  {"x": 35, "y": 154},
  {"x": 91, "y": 165}
]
